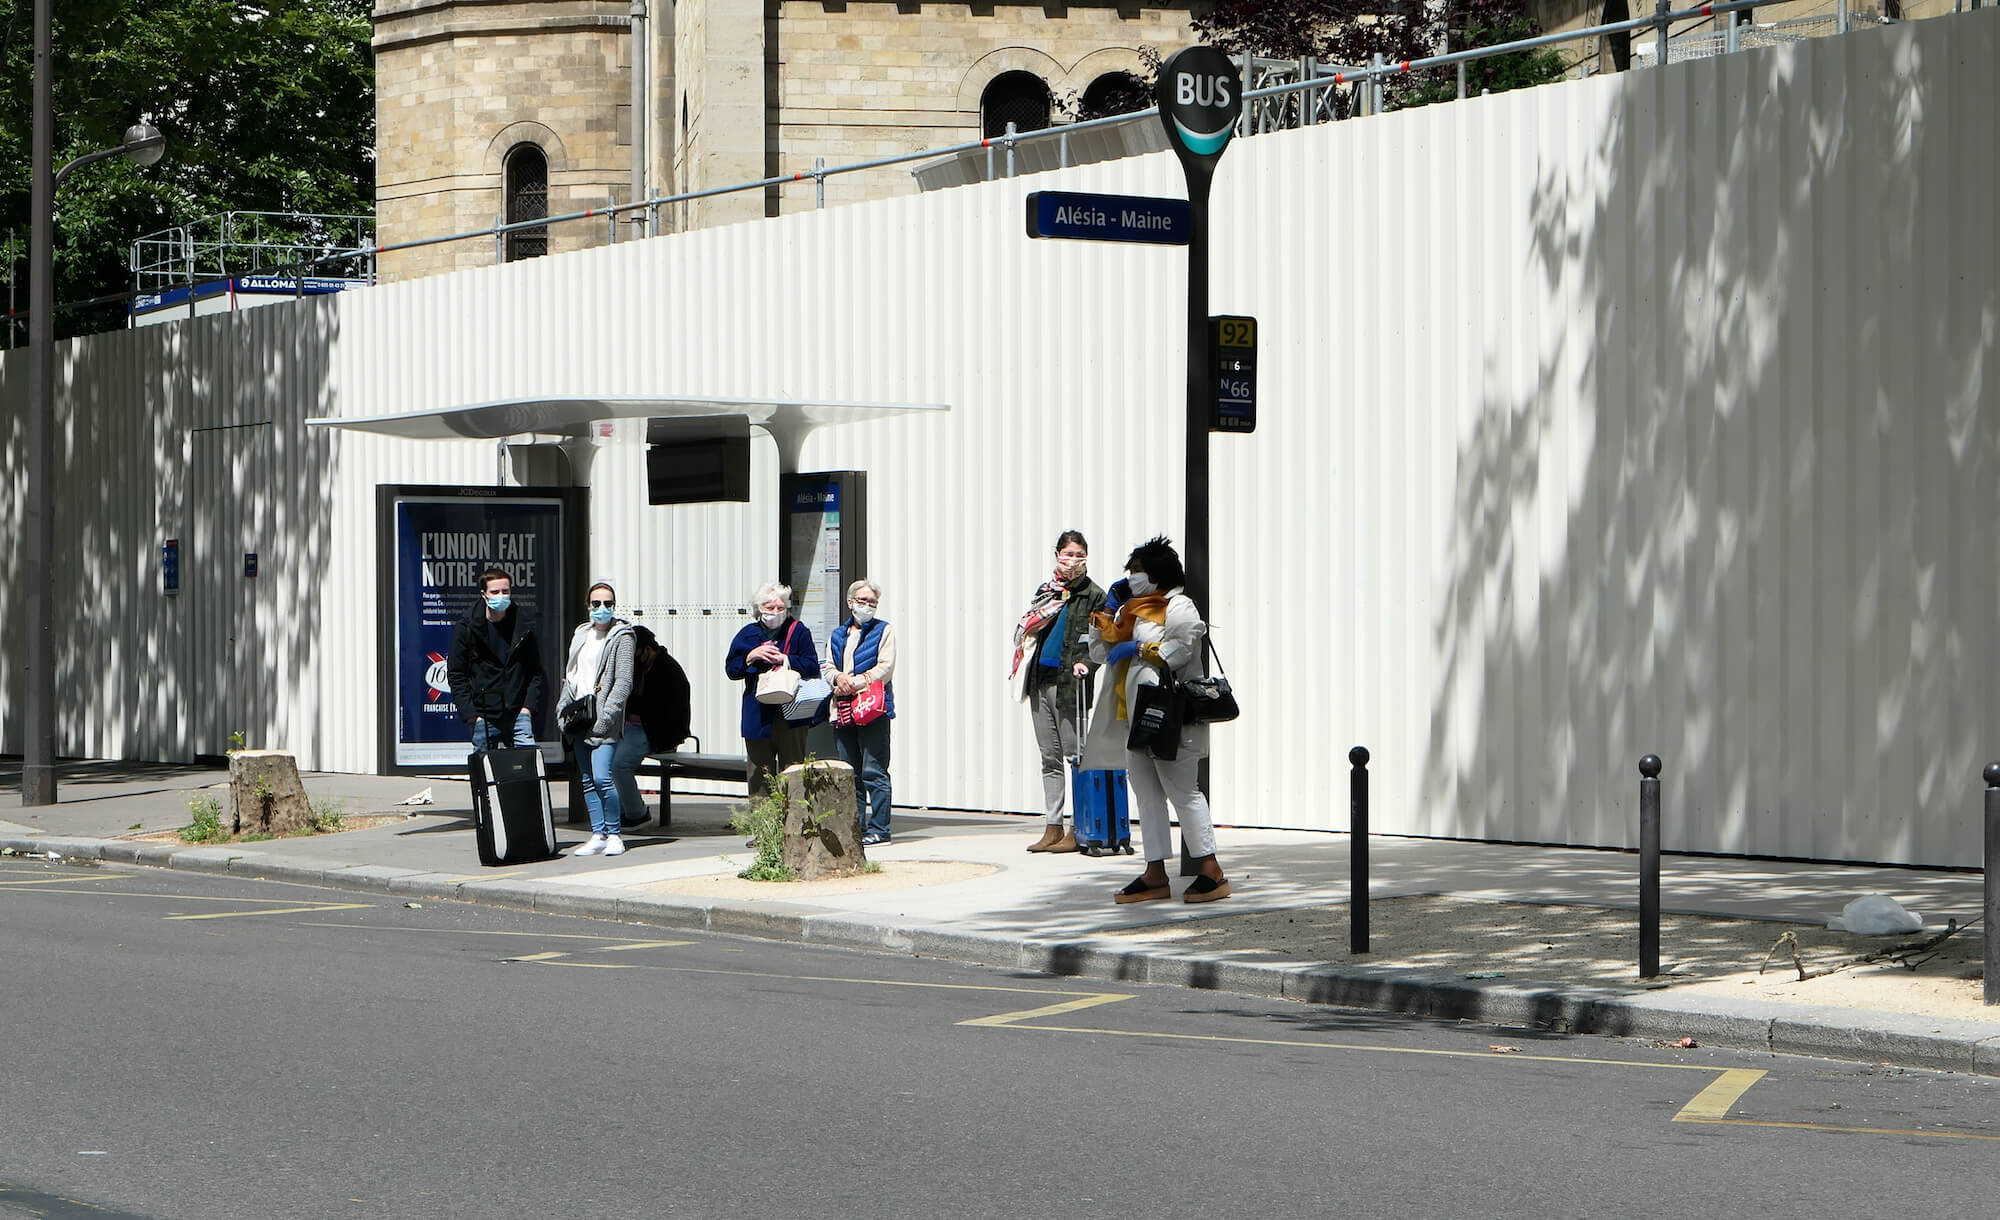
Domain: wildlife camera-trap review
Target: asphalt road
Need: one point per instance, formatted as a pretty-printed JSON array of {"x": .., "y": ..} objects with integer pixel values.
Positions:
[{"x": 184, "y": 1047}]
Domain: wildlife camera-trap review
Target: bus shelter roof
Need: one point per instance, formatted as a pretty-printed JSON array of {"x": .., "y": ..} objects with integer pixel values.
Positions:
[{"x": 786, "y": 419}]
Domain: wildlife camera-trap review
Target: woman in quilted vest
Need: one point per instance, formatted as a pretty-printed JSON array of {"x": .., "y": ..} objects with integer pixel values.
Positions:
[{"x": 861, "y": 658}]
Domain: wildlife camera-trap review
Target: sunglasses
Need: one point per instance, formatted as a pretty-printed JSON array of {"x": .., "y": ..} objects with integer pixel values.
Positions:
[{"x": 601, "y": 605}]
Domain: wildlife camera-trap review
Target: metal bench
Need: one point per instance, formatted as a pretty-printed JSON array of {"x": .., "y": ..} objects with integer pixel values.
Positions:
[{"x": 694, "y": 764}]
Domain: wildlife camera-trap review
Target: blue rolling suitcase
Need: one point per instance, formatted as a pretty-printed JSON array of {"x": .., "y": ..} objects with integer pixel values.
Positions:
[{"x": 1099, "y": 813}]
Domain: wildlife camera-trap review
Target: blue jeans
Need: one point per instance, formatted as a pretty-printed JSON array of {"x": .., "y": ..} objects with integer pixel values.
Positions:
[
  {"x": 865, "y": 747},
  {"x": 486, "y": 734},
  {"x": 630, "y": 751},
  {"x": 600, "y": 795}
]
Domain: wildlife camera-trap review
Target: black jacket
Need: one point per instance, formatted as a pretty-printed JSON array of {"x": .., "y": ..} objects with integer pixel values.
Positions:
[
  {"x": 661, "y": 698},
  {"x": 484, "y": 684}
]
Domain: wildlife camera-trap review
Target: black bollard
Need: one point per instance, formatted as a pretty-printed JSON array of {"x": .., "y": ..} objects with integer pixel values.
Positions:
[
  {"x": 1649, "y": 866},
  {"x": 1992, "y": 936},
  {"x": 1357, "y": 927}
]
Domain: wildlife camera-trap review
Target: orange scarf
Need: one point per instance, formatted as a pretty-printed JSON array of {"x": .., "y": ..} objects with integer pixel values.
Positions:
[
  {"x": 1152, "y": 607},
  {"x": 1116, "y": 630}
]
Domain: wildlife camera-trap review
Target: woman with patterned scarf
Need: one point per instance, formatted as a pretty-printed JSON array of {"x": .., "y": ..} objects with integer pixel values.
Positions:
[
  {"x": 1050, "y": 656},
  {"x": 1151, "y": 635}
]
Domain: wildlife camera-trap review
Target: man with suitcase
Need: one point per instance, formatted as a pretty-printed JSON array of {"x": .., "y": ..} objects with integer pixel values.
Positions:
[
  {"x": 495, "y": 667},
  {"x": 495, "y": 673}
]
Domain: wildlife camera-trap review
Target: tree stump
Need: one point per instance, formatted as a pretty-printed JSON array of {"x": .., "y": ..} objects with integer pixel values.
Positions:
[
  {"x": 822, "y": 822},
  {"x": 265, "y": 796}
]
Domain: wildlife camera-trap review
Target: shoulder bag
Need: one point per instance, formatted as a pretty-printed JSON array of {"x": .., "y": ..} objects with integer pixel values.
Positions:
[
  {"x": 1208, "y": 700},
  {"x": 780, "y": 685},
  {"x": 579, "y": 715},
  {"x": 864, "y": 706}
]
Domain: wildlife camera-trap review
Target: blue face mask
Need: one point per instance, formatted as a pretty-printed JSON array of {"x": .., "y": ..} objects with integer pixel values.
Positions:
[
  {"x": 601, "y": 615},
  {"x": 498, "y": 602}
]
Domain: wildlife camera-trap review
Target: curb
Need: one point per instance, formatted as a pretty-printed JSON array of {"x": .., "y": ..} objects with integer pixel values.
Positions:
[{"x": 1900, "y": 1039}]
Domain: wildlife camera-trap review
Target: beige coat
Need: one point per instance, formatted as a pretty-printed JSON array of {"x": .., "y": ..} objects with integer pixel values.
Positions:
[{"x": 1179, "y": 639}]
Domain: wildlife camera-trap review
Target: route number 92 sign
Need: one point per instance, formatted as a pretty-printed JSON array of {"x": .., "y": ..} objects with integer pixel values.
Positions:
[{"x": 1232, "y": 345}]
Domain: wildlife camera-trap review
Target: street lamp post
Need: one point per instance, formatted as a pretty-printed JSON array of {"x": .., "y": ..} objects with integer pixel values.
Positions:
[{"x": 143, "y": 144}]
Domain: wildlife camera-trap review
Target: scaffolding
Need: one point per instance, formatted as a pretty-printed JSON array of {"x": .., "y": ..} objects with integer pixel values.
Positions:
[{"x": 227, "y": 245}]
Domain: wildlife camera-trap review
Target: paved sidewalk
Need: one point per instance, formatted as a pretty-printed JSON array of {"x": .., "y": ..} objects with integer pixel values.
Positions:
[{"x": 1004, "y": 907}]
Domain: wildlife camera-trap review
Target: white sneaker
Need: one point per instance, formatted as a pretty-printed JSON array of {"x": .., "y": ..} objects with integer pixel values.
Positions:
[
  {"x": 614, "y": 846},
  {"x": 595, "y": 845}
]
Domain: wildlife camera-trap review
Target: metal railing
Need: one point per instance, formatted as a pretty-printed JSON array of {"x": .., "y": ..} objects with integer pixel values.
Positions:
[
  {"x": 1733, "y": 37},
  {"x": 1312, "y": 92},
  {"x": 230, "y": 244}
]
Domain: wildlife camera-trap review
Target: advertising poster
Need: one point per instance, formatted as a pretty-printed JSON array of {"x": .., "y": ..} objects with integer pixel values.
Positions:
[{"x": 442, "y": 545}]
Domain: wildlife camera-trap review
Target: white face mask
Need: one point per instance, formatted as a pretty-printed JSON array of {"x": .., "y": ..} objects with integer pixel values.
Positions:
[
  {"x": 771, "y": 618},
  {"x": 863, "y": 615},
  {"x": 1137, "y": 582}
]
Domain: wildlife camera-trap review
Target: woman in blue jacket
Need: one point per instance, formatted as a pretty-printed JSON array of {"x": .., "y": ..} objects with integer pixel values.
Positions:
[
  {"x": 861, "y": 653},
  {"x": 776, "y": 640}
]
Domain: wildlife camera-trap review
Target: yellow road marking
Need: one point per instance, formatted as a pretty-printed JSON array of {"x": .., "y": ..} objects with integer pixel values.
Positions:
[
  {"x": 1754, "y": 1122},
  {"x": 538, "y": 957},
  {"x": 370, "y": 927},
  {"x": 1707, "y": 1107},
  {"x": 324, "y": 906},
  {"x": 61, "y": 880},
  {"x": 647, "y": 944},
  {"x": 1360, "y": 1046},
  {"x": 1053, "y": 1010},
  {"x": 1714, "y": 1101},
  {"x": 179, "y": 897}
]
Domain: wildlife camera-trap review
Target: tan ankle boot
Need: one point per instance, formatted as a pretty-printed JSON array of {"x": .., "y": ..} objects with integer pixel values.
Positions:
[
  {"x": 1052, "y": 834},
  {"x": 1066, "y": 843}
]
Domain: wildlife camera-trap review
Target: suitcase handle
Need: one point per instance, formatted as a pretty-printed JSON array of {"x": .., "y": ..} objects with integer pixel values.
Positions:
[{"x": 1084, "y": 697}]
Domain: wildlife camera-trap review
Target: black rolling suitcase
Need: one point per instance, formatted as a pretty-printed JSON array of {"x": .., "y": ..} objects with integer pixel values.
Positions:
[
  {"x": 1099, "y": 809},
  {"x": 512, "y": 819}
]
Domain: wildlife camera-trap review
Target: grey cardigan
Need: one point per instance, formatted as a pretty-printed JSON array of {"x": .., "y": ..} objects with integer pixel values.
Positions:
[{"x": 614, "y": 679}]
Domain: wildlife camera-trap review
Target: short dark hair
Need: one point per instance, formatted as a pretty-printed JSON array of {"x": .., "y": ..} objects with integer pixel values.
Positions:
[
  {"x": 1157, "y": 558},
  {"x": 1069, "y": 536},
  {"x": 492, "y": 574}
]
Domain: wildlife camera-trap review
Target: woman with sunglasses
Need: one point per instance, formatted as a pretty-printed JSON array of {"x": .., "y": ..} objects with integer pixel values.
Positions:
[{"x": 600, "y": 668}]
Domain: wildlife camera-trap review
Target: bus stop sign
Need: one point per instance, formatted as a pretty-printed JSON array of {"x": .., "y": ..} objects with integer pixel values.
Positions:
[{"x": 1200, "y": 96}]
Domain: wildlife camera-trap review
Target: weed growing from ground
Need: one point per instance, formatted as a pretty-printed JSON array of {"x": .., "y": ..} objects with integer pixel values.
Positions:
[
  {"x": 762, "y": 821},
  {"x": 329, "y": 816},
  {"x": 205, "y": 824}
]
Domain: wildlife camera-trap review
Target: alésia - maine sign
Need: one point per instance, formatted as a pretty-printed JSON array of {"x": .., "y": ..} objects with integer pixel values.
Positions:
[{"x": 1088, "y": 217}]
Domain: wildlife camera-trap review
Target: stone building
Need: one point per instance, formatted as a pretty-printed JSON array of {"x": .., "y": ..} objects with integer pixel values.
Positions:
[
  {"x": 517, "y": 109},
  {"x": 524, "y": 109}
]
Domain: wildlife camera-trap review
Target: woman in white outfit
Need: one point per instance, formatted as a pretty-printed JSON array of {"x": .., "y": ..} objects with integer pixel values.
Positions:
[
  {"x": 1151, "y": 632},
  {"x": 600, "y": 664}
]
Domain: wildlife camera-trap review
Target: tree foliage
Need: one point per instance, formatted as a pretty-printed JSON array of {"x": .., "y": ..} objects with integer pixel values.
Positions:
[
  {"x": 266, "y": 106},
  {"x": 1352, "y": 32}
]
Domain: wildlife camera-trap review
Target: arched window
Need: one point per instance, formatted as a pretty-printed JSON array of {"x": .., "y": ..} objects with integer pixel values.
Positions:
[
  {"x": 1115, "y": 93},
  {"x": 1019, "y": 98},
  {"x": 527, "y": 199}
]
